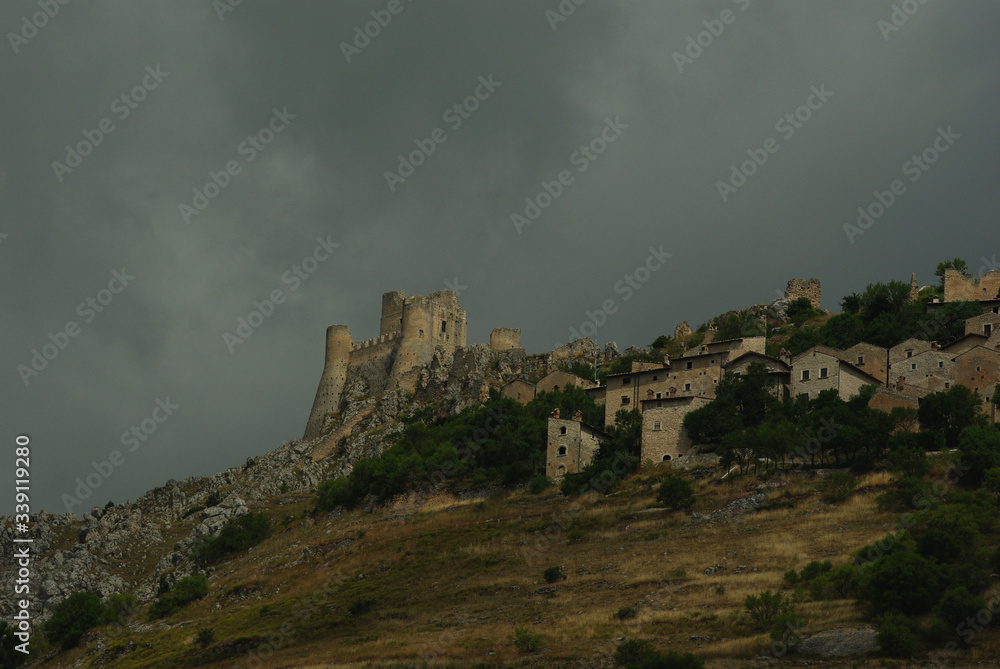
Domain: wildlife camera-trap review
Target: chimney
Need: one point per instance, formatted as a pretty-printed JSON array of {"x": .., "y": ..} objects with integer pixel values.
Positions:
[
  {"x": 934, "y": 346},
  {"x": 578, "y": 416},
  {"x": 555, "y": 412},
  {"x": 673, "y": 391},
  {"x": 901, "y": 383},
  {"x": 649, "y": 394}
]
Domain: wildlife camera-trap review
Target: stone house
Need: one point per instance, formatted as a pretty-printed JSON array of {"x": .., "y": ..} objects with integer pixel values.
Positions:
[
  {"x": 907, "y": 349},
  {"x": 663, "y": 434},
  {"x": 571, "y": 445},
  {"x": 868, "y": 358},
  {"x": 558, "y": 380},
  {"x": 984, "y": 324},
  {"x": 932, "y": 370},
  {"x": 519, "y": 391},
  {"x": 979, "y": 370},
  {"x": 814, "y": 371},
  {"x": 779, "y": 370}
]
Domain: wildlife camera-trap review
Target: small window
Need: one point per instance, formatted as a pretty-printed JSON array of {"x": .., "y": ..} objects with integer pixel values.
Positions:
[
  {"x": 987, "y": 329},
  {"x": 913, "y": 365},
  {"x": 947, "y": 385},
  {"x": 690, "y": 365},
  {"x": 996, "y": 310},
  {"x": 909, "y": 354},
  {"x": 658, "y": 395},
  {"x": 861, "y": 359},
  {"x": 654, "y": 377},
  {"x": 687, "y": 386},
  {"x": 656, "y": 425},
  {"x": 737, "y": 373},
  {"x": 625, "y": 381},
  {"x": 421, "y": 334},
  {"x": 979, "y": 368},
  {"x": 940, "y": 363},
  {"x": 562, "y": 450},
  {"x": 659, "y": 405},
  {"x": 624, "y": 399},
  {"x": 562, "y": 430},
  {"x": 444, "y": 326},
  {"x": 805, "y": 374},
  {"x": 822, "y": 372},
  {"x": 666, "y": 457}
]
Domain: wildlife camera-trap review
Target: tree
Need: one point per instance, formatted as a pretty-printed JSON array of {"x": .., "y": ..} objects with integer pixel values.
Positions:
[
  {"x": 979, "y": 448},
  {"x": 955, "y": 263},
  {"x": 949, "y": 412},
  {"x": 73, "y": 617}
]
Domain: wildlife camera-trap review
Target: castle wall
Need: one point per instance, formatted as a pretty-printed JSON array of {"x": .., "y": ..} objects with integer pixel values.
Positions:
[
  {"x": 370, "y": 349},
  {"x": 808, "y": 288},
  {"x": 428, "y": 321},
  {"x": 960, "y": 287},
  {"x": 505, "y": 338}
]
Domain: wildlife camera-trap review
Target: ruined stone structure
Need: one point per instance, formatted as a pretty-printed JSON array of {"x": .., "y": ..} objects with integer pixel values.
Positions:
[
  {"x": 411, "y": 330},
  {"x": 571, "y": 445},
  {"x": 960, "y": 287},
  {"x": 502, "y": 339},
  {"x": 682, "y": 330},
  {"x": 808, "y": 288}
]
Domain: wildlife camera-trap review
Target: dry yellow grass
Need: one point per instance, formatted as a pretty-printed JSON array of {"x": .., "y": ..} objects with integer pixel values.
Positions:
[{"x": 452, "y": 582}]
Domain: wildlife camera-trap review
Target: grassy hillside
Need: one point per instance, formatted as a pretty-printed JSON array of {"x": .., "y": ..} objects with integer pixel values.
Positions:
[{"x": 447, "y": 585}]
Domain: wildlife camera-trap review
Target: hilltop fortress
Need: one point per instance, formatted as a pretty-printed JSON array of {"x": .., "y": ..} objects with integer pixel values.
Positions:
[{"x": 413, "y": 330}]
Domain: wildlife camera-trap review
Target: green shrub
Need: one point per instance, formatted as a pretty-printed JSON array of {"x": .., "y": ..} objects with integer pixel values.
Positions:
[
  {"x": 360, "y": 607},
  {"x": 625, "y": 613},
  {"x": 193, "y": 509},
  {"x": 894, "y": 637},
  {"x": 206, "y": 637},
  {"x": 238, "y": 534},
  {"x": 190, "y": 588},
  {"x": 791, "y": 578},
  {"x": 957, "y": 604},
  {"x": 163, "y": 606},
  {"x": 527, "y": 642},
  {"x": 10, "y": 657},
  {"x": 553, "y": 574},
  {"x": 164, "y": 586},
  {"x": 213, "y": 499},
  {"x": 904, "y": 496},
  {"x": 839, "y": 583},
  {"x": 814, "y": 569},
  {"x": 73, "y": 617},
  {"x": 539, "y": 484},
  {"x": 901, "y": 581},
  {"x": 575, "y": 535},
  {"x": 641, "y": 654},
  {"x": 765, "y": 608},
  {"x": 675, "y": 493}
]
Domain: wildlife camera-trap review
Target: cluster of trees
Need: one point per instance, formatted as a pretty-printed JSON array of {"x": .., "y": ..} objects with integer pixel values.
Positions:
[
  {"x": 81, "y": 612},
  {"x": 883, "y": 315},
  {"x": 238, "y": 534},
  {"x": 749, "y": 426},
  {"x": 499, "y": 443}
]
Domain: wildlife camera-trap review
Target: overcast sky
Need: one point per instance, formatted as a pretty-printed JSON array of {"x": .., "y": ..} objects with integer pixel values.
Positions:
[{"x": 633, "y": 114}]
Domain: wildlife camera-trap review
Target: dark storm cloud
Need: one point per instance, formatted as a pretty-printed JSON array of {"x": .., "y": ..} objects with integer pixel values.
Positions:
[{"x": 681, "y": 125}]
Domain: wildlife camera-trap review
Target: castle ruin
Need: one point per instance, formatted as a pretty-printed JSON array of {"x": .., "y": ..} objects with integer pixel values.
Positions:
[
  {"x": 808, "y": 288},
  {"x": 961, "y": 287}
]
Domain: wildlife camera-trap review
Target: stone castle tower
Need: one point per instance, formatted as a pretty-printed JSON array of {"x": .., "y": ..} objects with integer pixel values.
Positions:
[{"x": 411, "y": 330}]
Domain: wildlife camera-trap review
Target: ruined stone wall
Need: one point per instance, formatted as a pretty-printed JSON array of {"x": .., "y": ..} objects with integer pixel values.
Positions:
[
  {"x": 808, "y": 288},
  {"x": 505, "y": 338},
  {"x": 392, "y": 312},
  {"x": 960, "y": 287}
]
